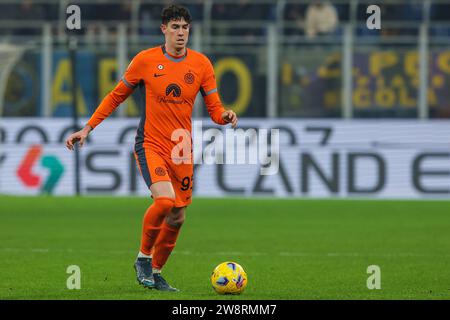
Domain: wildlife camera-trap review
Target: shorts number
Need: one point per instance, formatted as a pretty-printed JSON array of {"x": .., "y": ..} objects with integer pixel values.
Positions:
[{"x": 187, "y": 183}]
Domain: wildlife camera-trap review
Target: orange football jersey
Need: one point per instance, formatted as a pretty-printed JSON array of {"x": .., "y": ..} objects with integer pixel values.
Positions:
[{"x": 168, "y": 87}]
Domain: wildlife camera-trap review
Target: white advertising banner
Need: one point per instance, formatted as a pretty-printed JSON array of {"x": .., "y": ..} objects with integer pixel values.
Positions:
[{"x": 316, "y": 158}]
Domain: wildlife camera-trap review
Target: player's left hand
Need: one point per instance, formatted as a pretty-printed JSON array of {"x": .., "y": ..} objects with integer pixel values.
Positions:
[{"x": 230, "y": 116}]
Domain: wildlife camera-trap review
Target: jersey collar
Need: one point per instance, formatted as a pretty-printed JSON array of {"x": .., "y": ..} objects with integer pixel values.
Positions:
[{"x": 172, "y": 58}]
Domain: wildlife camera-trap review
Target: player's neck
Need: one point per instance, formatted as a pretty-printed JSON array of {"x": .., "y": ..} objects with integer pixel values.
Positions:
[{"x": 174, "y": 52}]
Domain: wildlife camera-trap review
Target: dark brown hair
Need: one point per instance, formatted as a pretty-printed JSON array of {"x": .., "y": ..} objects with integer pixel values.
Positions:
[{"x": 175, "y": 12}]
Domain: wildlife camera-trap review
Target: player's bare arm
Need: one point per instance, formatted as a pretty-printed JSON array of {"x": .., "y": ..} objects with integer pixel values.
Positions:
[{"x": 79, "y": 136}]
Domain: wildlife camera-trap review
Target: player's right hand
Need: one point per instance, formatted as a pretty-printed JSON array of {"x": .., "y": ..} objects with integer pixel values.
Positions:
[{"x": 79, "y": 136}]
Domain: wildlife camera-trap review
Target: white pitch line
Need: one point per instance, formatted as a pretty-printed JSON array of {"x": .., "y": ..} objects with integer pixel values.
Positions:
[{"x": 239, "y": 253}]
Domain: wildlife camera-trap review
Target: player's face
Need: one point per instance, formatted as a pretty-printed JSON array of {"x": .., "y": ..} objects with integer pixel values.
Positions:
[{"x": 176, "y": 33}]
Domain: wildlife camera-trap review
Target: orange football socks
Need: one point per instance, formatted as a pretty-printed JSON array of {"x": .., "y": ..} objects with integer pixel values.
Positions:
[
  {"x": 164, "y": 245},
  {"x": 153, "y": 220}
]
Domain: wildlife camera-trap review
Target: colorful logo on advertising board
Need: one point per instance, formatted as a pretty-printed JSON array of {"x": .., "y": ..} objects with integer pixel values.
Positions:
[{"x": 30, "y": 179}]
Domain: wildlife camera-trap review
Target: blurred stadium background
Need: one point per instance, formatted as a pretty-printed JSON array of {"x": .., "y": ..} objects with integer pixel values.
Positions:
[
  {"x": 281, "y": 61},
  {"x": 288, "y": 48},
  {"x": 362, "y": 114}
]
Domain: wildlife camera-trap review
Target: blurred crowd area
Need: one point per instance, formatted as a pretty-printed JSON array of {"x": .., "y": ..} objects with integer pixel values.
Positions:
[
  {"x": 287, "y": 58},
  {"x": 301, "y": 18}
]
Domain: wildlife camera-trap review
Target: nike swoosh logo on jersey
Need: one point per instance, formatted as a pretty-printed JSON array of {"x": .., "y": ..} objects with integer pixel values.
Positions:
[{"x": 159, "y": 75}]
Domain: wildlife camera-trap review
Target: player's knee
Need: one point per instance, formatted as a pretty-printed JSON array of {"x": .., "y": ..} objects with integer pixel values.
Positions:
[
  {"x": 175, "y": 222},
  {"x": 165, "y": 204},
  {"x": 176, "y": 218}
]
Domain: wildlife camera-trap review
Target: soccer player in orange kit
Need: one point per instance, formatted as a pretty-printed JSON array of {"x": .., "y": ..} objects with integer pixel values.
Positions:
[{"x": 168, "y": 78}]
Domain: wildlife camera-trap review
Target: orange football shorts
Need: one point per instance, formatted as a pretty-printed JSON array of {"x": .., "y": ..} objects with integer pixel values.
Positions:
[{"x": 154, "y": 168}]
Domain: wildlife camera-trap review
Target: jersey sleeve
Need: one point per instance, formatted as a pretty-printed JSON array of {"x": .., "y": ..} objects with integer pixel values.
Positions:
[
  {"x": 119, "y": 94},
  {"x": 210, "y": 95},
  {"x": 132, "y": 75}
]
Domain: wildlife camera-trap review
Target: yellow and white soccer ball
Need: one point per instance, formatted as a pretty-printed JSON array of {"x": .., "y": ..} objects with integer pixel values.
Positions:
[{"x": 229, "y": 278}]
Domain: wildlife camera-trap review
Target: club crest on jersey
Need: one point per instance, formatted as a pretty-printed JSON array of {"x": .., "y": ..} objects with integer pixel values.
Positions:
[
  {"x": 189, "y": 78},
  {"x": 173, "y": 89},
  {"x": 160, "y": 171},
  {"x": 160, "y": 67}
]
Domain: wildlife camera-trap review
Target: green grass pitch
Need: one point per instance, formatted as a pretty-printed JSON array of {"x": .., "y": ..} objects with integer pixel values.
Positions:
[{"x": 291, "y": 249}]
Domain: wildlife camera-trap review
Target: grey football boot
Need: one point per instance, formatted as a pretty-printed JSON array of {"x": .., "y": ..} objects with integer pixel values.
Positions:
[
  {"x": 144, "y": 273},
  {"x": 161, "y": 283}
]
